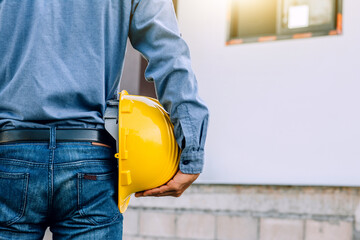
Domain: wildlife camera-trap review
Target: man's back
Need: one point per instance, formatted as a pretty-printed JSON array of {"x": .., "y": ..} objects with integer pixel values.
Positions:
[{"x": 61, "y": 60}]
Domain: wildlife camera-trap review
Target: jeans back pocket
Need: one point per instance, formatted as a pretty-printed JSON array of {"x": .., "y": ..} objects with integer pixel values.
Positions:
[
  {"x": 13, "y": 192},
  {"x": 97, "y": 197}
]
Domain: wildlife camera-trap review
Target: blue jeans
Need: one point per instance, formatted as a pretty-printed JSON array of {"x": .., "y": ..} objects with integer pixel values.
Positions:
[{"x": 70, "y": 187}]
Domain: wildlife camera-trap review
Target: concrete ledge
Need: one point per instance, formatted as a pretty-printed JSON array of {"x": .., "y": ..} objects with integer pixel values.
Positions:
[
  {"x": 278, "y": 200},
  {"x": 216, "y": 212}
]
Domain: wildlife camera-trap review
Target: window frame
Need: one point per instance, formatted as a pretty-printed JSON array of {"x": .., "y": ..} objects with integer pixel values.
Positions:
[{"x": 283, "y": 33}]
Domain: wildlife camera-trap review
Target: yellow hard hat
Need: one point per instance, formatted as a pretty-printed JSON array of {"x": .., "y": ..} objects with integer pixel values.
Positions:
[{"x": 148, "y": 152}]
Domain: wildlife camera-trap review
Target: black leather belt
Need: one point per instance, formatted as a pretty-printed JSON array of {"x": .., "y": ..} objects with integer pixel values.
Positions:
[{"x": 62, "y": 135}]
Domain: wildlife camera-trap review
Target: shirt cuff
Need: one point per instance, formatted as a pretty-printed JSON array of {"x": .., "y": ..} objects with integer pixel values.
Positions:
[{"x": 192, "y": 162}]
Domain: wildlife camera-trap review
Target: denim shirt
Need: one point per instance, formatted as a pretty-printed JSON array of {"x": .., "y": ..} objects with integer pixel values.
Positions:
[{"x": 60, "y": 61}]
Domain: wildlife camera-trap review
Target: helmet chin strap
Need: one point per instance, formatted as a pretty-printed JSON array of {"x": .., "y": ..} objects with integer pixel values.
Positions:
[{"x": 111, "y": 120}]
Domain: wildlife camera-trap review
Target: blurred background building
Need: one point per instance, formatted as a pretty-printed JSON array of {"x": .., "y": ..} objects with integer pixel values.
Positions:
[{"x": 282, "y": 81}]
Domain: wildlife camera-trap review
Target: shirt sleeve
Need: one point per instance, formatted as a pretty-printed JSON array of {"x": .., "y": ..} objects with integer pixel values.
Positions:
[{"x": 154, "y": 33}]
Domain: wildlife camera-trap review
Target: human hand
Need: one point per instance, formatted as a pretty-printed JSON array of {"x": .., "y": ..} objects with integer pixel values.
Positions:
[{"x": 175, "y": 187}]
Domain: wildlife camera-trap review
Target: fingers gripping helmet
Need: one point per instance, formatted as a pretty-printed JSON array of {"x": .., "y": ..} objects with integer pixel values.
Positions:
[{"x": 148, "y": 155}]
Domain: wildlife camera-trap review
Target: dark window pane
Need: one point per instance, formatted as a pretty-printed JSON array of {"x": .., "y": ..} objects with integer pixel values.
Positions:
[{"x": 253, "y": 18}]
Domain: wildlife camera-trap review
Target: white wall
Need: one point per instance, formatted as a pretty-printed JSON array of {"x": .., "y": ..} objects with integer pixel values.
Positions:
[{"x": 283, "y": 112}]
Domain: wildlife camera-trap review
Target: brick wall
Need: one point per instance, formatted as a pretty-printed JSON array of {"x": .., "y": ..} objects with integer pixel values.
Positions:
[{"x": 212, "y": 212}]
